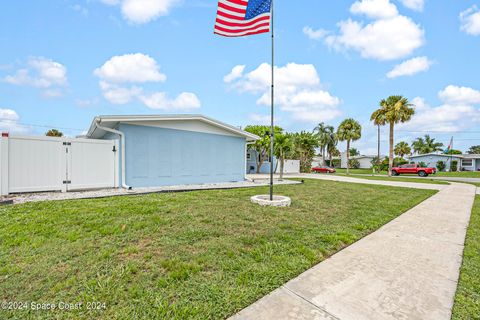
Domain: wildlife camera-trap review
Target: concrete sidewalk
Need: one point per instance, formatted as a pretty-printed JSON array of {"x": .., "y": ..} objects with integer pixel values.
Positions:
[
  {"x": 408, "y": 269},
  {"x": 352, "y": 179}
]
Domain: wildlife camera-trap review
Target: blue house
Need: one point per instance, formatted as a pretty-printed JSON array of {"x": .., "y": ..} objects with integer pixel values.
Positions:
[
  {"x": 253, "y": 157},
  {"x": 159, "y": 150},
  {"x": 465, "y": 162}
]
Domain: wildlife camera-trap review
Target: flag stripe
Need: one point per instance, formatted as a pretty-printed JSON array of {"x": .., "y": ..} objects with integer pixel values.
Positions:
[
  {"x": 227, "y": 23},
  {"x": 240, "y": 30},
  {"x": 226, "y": 34},
  {"x": 231, "y": 20},
  {"x": 232, "y": 9}
]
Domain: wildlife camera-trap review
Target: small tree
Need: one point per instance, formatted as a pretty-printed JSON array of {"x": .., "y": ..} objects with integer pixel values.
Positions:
[
  {"x": 454, "y": 166},
  {"x": 354, "y": 152},
  {"x": 354, "y": 164},
  {"x": 441, "y": 166},
  {"x": 304, "y": 149},
  {"x": 474, "y": 150},
  {"x": 54, "y": 133},
  {"x": 349, "y": 130},
  {"x": 402, "y": 149},
  {"x": 283, "y": 148},
  {"x": 262, "y": 146}
]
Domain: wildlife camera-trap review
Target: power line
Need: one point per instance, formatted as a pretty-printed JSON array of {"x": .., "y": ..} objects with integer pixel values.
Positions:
[{"x": 39, "y": 125}]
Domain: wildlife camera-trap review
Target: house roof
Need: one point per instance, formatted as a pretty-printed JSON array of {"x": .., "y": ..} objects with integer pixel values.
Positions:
[
  {"x": 460, "y": 156},
  {"x": 112, "y": 121}
]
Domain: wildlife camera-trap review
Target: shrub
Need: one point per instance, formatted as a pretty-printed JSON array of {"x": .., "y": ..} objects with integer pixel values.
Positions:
[
  {"x": 422, "y": 164},
  {"x": 354, "y": 164},
  {"x": 336, "y": 163},
  {"x": 454, "y": 166},
  {"x": 441, "y": 166},
  {"x": 399, "y": 161}
]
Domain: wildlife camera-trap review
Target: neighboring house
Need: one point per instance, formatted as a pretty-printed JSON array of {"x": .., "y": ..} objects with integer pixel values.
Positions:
[
  {"x": 289, "y": 166},
  {"x": 253, "y": 156},
  {"x": 465, "y": 162},
  {"x": 158, "y": 150},
  {"x": 364, "y": 160}
]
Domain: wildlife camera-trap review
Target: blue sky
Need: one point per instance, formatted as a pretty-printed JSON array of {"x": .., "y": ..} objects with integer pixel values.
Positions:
[{"x": 64, "y": 61}]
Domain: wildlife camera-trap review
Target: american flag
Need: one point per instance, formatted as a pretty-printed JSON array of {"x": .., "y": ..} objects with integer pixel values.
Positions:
[{"x": 237, "y": 18}]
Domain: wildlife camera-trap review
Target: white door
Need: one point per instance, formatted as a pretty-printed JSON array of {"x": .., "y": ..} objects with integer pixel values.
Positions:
[{"x": 91, "y": 164}]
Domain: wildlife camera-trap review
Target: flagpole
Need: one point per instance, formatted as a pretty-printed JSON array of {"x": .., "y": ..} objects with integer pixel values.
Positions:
[{"x": 272, "y": 129}]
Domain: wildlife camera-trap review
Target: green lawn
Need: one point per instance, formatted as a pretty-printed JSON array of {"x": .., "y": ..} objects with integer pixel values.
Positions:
[
  {"x": 357, "y": 171},
  {"x": 464, "y": 174},
  {"x": 196, "y": 255},
  {"x": 467, "y": 300},
  {"x": 399, "y": 179}
]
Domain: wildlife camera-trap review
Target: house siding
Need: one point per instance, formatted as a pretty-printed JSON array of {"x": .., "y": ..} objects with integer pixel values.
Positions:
[
  {"x": 162, "y": 156},
  {"x": 252, "y": 163},
  {"x": 431, "y": 160}
]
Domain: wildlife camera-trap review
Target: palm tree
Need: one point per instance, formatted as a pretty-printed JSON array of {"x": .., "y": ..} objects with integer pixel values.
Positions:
[
  {"x": 282, "y": 149},
  {"x": 324, "y": 136},
  {"x": 349, "y": 130},
  {"x": 402, "y": 148},
  {"x": 426, "y": 145},
  {"x": 393, "y": 110},
  {"x": 332, "y": 146}
]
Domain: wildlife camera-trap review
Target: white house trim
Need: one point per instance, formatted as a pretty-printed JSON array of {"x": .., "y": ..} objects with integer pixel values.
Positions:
[{"x": 164, "y": 120}]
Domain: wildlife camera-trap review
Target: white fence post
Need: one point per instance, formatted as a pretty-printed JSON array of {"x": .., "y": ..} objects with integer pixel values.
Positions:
[{"x": 4, "y": 165}]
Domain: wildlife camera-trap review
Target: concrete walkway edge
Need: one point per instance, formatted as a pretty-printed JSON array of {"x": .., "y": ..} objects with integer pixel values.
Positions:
[{"x": 408, "y": 269}]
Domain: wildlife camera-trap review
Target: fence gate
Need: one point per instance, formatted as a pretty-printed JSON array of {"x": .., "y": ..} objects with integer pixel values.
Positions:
[{"x": 35, "y": 164}]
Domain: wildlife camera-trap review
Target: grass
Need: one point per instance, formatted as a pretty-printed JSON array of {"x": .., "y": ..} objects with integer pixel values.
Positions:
[
  {"x": 467, "y": 299},
  {"x": 357, "y": 171},
  {"x": 400, "y": 179},
  {"x": 463, "y": 174},
  {"x": 196, "y": 255}
]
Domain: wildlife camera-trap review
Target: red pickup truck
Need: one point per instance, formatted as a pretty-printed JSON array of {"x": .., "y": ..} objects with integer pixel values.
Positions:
[{"x": 413, "y": 169}]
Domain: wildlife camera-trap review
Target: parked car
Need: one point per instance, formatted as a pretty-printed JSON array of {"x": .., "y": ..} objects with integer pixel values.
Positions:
[
  {"x": 323, "y": 169},
  {"x": 413, "y": 169}
]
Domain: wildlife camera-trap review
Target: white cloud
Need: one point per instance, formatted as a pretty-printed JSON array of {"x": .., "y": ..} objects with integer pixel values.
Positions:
[
  {"x": 143, "y": 11},
  {"x": 386, "y": 39},
  {"x": 183, "y": 102},
  {"x": 120, "y": 77},
  {"x": 237, "y": 72},
  {"x": 297, "y": 92},
  {"x": 43, "y": 73},
  {"x": 410, "y": 67},
  {"x": 9, "y": 122},
  {"x": 133, "y": 68},
  {"x": 459, "y": 111},
  {"x": 263, "y": 119},
  {"x": 314, "y": 34},
  {"x": 120, "y": 95},
  {"x": 470, "y": 19},
  {"x": 416, "y": 5},
  {"x": 459, "y": 95},
  {"x": 375, "y": 9},
  {"x": 389, "y": 36}
]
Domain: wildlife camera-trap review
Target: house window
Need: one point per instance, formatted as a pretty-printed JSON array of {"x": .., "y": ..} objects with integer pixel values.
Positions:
[
  {"x": 249, "y": 156},
  {"x": 467, "y": 163}
]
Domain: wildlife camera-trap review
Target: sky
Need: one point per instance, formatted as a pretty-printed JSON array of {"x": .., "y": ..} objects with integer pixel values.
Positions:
[{"x": 62, "y": 62}]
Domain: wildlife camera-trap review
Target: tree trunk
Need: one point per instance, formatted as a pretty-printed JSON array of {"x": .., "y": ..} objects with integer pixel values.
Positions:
[
  {"x": 323, "y": 156},
  {"x": 348, "y": 156},
  {"x": 390, "y": 160},
  {"x": 282, "y": 163},
  {"x": 259, "y": 162}
]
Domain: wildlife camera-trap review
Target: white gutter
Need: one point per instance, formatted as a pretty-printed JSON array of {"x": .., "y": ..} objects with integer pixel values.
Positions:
[{"x": 122, "y": 145}]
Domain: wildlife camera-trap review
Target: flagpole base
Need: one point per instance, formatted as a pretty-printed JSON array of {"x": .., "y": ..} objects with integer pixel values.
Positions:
[{"x": 278, "y": 201}]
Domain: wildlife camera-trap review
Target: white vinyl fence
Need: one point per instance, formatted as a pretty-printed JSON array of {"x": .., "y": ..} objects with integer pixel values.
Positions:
[
  {"x": 34, "y": 164},
  {"x": 290, "y": 166}
]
